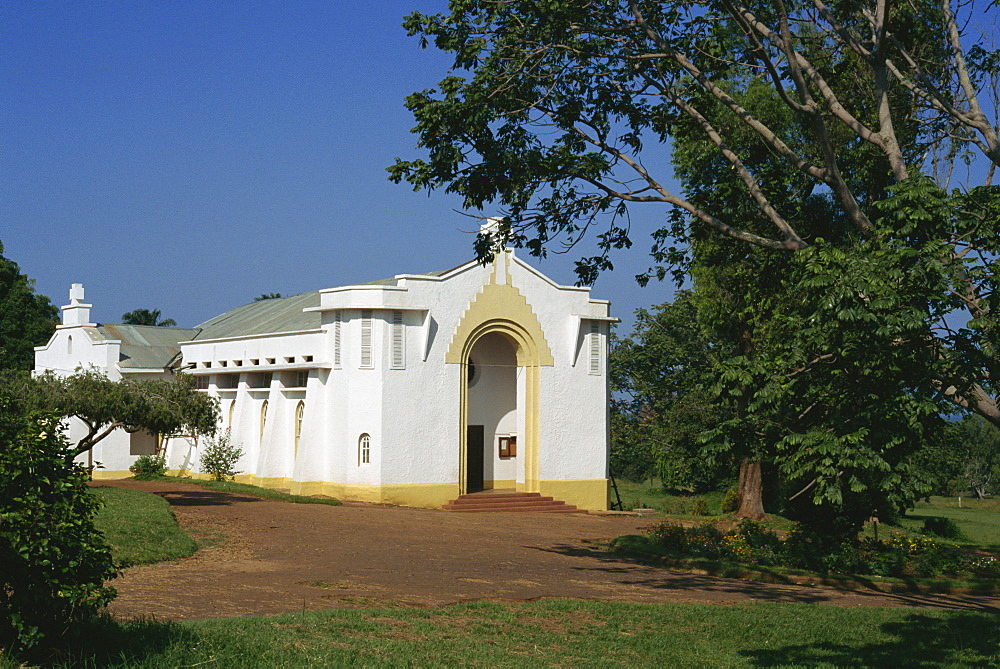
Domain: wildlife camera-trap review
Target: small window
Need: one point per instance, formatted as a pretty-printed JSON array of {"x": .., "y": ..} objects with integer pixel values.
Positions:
[
  {"x": 206, "y": 365},
  {"x": 307, "y": 358},
  {"x": 69, "y": 345},
  {"x": 223, "y": 363},
  {"x": 366, "y": 337},
  {"x": 254, "y": 361},
  {"x": 263, "y": 419},
  {"x": 398, "y": 341},
  {"x": 270, "y": 361},
  {"x": 508, "y": 446},
  {"x": 338, "y": 318},
  {"x": 595, "y": 348},
  {"x": 238, "y": 363},
  {"x": 300, "y": 412},
  {"x": 289, "y": 360},
  {"x": 364, "y": 449}
]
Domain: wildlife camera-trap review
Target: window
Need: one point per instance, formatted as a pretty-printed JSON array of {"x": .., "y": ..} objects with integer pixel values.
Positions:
[
  {"x": 263, "y": 419},
  {"x": 254, "y": 361},
  {"x": 595, "y": 348},
  {"x": 366, "y": 337},
  {"x": 508, "y": 446},
  {"x": 232, "y": 409},
  {"x": 69, "y": 345},
  {"x": 338, "y": 318},
  {"x": 259, "y": 380},
  {"x": 201, "y": 382},
  {"x": 301, "y": 378},
  {"x": 398, "y": 341},
  {"x": 364, "y": 449},
  {"x": 300, "y": 412},
  {"x": 228, "y": 381}
]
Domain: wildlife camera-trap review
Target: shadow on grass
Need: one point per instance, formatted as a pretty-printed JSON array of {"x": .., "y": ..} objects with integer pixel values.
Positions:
[
  {"x": 965, "y": 639},
  {"x": 105, "y": 642}
]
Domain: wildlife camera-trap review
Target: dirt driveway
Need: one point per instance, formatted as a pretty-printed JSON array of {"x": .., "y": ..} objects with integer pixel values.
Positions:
[{"x": 276, "y": 557}]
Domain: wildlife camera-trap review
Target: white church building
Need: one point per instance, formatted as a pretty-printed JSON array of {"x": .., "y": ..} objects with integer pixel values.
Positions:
[{"x": 411, "y": 390}]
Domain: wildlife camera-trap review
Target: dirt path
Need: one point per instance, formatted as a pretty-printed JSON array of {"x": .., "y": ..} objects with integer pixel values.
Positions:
[{"x": 276, "y": 557}]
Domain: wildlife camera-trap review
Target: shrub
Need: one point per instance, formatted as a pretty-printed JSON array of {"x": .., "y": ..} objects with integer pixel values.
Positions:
[
  {"x": 946, "y": 528},
  {"x": 219, "y": 457},
  {"x": 54, "y": 562},
  {"x": 699, "y": 506},
  {"x": 731, "y": 501},
  {"x": 148, "y": 467}
]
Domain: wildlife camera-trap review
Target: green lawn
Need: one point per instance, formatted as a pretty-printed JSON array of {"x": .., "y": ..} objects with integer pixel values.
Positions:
[
  {"x": 140, "y": 527},
  {"x": 558, "y": 633},
  {"x": 979, "y": 520}
]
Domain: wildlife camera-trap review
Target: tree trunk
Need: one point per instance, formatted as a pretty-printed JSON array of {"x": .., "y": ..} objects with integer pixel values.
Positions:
[{"x": 751, "y": 504}]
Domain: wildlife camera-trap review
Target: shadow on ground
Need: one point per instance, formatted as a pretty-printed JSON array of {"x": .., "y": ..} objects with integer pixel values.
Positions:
[{"x": 682, "y": 581}]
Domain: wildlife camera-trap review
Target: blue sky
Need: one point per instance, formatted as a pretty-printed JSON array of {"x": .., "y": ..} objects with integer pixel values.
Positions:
[{"x": 189, "y": 156}]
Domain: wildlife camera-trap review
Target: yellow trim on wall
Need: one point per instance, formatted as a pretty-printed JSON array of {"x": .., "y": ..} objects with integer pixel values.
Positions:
[{"x": 589, "y": 494}]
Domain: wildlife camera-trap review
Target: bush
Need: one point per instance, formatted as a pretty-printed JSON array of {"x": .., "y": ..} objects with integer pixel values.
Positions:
[
  {"x": 946, "y": 528},
  {"x": 219, "y": 457},
  {"x": 54, "y": 562},
  {"x": 148, "y": 467},
  {"x": 731, "y": 501}
]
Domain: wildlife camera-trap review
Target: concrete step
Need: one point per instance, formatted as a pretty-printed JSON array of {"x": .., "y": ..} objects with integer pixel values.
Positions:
[{"x": 523, "y": 502}]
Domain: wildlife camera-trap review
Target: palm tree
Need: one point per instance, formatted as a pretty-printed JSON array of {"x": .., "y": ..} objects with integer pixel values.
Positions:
[{"x": 147, "y": 317}]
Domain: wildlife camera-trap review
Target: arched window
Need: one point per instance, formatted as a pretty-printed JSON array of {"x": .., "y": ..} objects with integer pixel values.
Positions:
[
  {"x": 232, "y": 410},
  {"x": 364, "y": 449},
  {"x": 300, "y": 412},
  {"x": 69, "y": 345},
  {"x": 263, "y": 418}
]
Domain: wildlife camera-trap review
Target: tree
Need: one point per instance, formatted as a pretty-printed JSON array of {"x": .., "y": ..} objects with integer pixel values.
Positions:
[
  {"x": 26, "y": 318},
  {"x": 266, "y": 296},
  {"x": 979, "y": 448},
  {"x": 147, "y": 317},
  {"x": 565, "y": 118},
  {"x": 798, "y": 132},
  {"x": 157, "y": 406},
  {"x": 55, "y": 562},
  {"x": 660, "y": 405}
]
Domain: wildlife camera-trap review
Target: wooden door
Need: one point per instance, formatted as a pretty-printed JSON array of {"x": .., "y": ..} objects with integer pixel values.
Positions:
[{"x": 475, "y": 444}]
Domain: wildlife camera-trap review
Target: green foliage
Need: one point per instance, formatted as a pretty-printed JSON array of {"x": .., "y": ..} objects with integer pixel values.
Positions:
[
  {"x": 54, "y": 561},
  {"x": 731, "y": 501},
  {"x": 147, "y": 467},
  {"x": 158, "y": 406},
  {"x": 147, "y": 317},
  {"x": 219, "y": 457},
  {"x": 26, "y": 318},
  {"x": 751, "y": 543},
  {"x": 946, "y": 528},
  {"x": 139, "y": 527},
  {"x": 659, "y": 406},
  {"x": 266, "y": 296}
]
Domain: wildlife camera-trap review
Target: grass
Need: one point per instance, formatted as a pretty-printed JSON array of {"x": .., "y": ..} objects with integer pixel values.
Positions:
[
  {"x": 979, "y": 520},
  {"x": 140, "y": 528},
  {"x": 556, "y": 632},
  {"x": 651, "y": 495},
  {"x": 255, "y": 491}
]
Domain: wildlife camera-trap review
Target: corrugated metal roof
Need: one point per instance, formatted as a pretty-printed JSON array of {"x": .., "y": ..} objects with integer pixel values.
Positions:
[
  {"x": 280, "y": 314},
  {"x": 147, "y": 346}
]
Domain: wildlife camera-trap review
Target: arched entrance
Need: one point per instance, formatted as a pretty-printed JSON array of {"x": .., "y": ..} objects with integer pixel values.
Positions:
[
  {"x": 499, "y": 313},
  {"x": 493, "y": 419}
]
